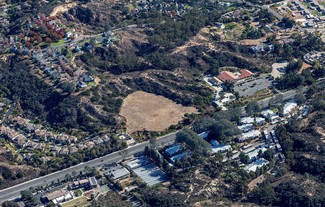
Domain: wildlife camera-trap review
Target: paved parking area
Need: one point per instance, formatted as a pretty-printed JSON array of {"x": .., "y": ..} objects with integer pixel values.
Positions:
[{"x": 249, "y": 87}]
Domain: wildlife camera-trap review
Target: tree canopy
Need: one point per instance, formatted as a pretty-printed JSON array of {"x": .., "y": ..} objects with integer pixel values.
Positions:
[{"x": 193, "y": 142}]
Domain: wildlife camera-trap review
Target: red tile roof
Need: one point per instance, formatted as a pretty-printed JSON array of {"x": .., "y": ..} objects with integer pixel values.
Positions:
[
  {"x": 227, "y": 76},
  {"x": 245, "y": 73}
]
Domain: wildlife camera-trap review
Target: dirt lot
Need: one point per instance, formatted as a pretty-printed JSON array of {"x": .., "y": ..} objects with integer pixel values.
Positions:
[
  {"x": 62, "y": 8},
  {"x": 81, "y": 201},
  {"x": 150, "y": 112}
]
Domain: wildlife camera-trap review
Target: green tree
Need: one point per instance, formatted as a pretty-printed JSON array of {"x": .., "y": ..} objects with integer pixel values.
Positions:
[
  {"x": 193, "y": 142},
  {"x": 9, "y": 204},
  {"x": 222, "y": 130},
  {"x": 300, "y": 98},
  {"x": 244, "y": 158},
  {"x": 252, "y": 108}
]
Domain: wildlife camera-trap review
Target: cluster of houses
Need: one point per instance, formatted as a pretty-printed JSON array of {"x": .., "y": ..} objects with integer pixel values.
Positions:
[
  {"x": 172, "y": 8},
  {"x": 57, "y": 66},
  {"x": 309, "y": 14},
  {"x": 255, "y": 138},
  {"x": 33, "y": 137},
  {"x": 4, "y": 13},
  {"x": 65, "y": 194}
]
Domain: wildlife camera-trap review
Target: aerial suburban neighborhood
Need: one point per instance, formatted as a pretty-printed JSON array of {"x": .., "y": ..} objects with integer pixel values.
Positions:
[{"x": 162, "y": 103}]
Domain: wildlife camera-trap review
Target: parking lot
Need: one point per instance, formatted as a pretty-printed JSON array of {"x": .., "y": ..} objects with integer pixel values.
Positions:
[{"x": 249, "y": 87}]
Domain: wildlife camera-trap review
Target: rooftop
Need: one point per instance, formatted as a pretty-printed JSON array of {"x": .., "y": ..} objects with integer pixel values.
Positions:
[
  {"x": 56, "y": 194},
  {"x": 151, "y": 174},
  {"x": 117, "y": 171},
  {"x": 257, "y": 164},
  {"x": 221, "y": 148},
  {"x": 227, "y": 76},
  {"x": 140, "y": 161},
  {"x": 174, "y": 149},
  {"x": 179, "y": 156},
  {"x": 93, "y": 181}
]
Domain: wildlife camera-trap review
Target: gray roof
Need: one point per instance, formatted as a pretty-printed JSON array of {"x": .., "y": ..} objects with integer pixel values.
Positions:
[
  {"x": 151, "y": 174},
  {"x": 117, "y": 171},
  {"x": 93, "y": 181}
]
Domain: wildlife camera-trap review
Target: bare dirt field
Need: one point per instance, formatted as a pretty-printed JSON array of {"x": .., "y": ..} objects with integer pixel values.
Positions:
[
  {"x": 146, "y": 111},
  {"x": 62, "y": 8}
]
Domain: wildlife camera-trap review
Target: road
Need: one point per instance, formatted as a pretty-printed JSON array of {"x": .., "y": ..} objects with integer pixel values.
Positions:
[
  {"x": 84, "y": 37},
  {"x": 288, "y": 95},
  {"x": 14, "y": 191}
]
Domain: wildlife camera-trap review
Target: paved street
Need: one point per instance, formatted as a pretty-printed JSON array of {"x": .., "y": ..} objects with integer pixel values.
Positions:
[
  {"x": 288, "y": 95},
  {"x": 14, "y": 192}
]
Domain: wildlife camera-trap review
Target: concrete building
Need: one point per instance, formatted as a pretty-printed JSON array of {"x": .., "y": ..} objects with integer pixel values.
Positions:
[
  {"x": 251, "y": 120},
  {"x": 253, "y": 155},
  {"x": 257, "y": 164},
  {"x": 249, "y": 135},
  {"x": 174, "y": 149},
  {"x": 246, "y": 127},
  {"x": 221, "y": 148},
  {"x": 288, "y": 108},
  {"x": 116, "y": 171},
  {"x": 59, "y": 196}
]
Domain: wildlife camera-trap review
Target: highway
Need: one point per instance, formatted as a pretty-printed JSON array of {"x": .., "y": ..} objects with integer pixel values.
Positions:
[{"x": 14, "y": 191}]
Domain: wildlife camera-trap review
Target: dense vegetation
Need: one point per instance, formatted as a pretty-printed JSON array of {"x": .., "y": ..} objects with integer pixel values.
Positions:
[
  {"x": 111, "y": 199},
  {"x": 156, "y": 198}
]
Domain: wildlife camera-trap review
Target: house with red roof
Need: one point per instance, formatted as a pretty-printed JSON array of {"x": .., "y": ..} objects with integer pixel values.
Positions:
[
  {"x": 232, "y": 77},
  {"x": 227, "y": 76},
  {"x": 245, "y": 74}
]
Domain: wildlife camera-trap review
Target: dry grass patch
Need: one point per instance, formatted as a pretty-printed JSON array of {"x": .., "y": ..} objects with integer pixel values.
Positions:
[
  {"x": 81, "y": 201},
  {"x": 146, "y": 111}
]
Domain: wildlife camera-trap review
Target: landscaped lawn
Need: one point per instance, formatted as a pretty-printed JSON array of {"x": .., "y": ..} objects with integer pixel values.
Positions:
[
  {"x": 80, "y": 202},
  {"x": 59, "y": 43}
]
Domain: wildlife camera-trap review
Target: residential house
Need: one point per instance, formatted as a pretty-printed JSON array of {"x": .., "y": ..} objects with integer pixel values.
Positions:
[
  {"x": 55, "y": 149},
  {"x": 254, "y": 154},
  {"x": 59, "y": 196},
  {"x": 251, "y": 120},
  {"x": 84, "y": 183},
  {"x": 221, "y": 148},
  {"x": 220, "y": 25},
  {"x": 87, "y": 78},
  {"x": 246, "y": 127},
  {"x": 174, "y": 149},
  {"x": 257, "y": 164},
  {"x": 249, "y": 135},
  {"x": 179, "y": 156},
  {"x": 73, "y": 149},
  {"x": 64, "y": 151},
  {"x": 288, "y": 108}
]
